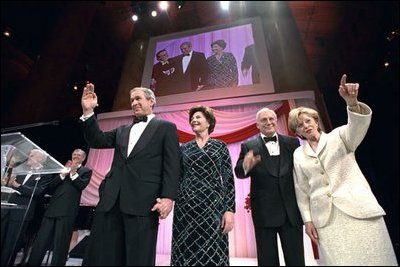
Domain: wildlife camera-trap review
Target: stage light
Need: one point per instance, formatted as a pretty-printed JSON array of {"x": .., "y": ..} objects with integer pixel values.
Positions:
[
  {"x": 225, "y": 5},
  {"x": 135, "y": 17},
  {"x": 163, "y": 5},
  {"x": 180, "y": 4}
]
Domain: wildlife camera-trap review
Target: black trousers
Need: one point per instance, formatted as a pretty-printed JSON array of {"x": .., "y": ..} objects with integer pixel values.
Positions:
[
  {"x": 54, "y": 233},
  {"x": 291, "y": 238},
  {"x": 119, "y": 239}
]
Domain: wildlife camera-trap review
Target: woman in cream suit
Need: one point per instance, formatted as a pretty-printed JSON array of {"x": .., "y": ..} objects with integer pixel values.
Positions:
[{"x": 339, "y": 210}]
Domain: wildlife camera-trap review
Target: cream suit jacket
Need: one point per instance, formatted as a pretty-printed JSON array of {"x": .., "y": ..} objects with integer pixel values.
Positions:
[{"x": 331, "y": 175}]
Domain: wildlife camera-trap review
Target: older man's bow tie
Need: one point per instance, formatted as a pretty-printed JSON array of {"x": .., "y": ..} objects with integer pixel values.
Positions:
[
  {"x": 270, "y": 139},
  {"x": 139, "y": 119}
]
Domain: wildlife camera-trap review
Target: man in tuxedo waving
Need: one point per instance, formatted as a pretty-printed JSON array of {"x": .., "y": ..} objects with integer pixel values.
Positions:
[
  {"x": 140, "y": 186},
  {"x": 268, "y": 160},
  {"x": 59, "y": 218}
]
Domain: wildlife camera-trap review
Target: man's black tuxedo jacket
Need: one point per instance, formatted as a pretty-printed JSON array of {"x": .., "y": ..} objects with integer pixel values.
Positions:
[
  {"x": 150, "y": 171},
  {"x": 271, "y": 196},
  {"x": 26, "y": 191},
  {"x": 66, "y": 194},
  {"x": 196, "y": 73}
]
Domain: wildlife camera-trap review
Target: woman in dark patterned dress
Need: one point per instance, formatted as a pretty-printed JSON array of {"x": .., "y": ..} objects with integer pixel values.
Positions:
[
  {"x": 222, "y": 66},
  {"x": 205, "y": 206}
]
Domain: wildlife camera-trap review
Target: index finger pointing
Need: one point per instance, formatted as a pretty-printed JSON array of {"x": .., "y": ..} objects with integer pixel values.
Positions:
[{"x": 343, "y": 80}]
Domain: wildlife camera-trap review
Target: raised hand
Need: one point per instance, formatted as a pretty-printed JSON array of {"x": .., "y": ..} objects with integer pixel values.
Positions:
[
  {"x": 348, "y": 91},
  {"x": 250, "y": 160},
  {"x": 89, "y": 99}
]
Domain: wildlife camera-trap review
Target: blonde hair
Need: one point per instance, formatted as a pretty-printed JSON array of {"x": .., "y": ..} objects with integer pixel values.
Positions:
[{"x": 294, "y": 114}]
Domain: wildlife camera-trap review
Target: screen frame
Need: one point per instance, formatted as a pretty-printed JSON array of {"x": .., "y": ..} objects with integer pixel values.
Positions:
[{"x": 265, "y": 86}]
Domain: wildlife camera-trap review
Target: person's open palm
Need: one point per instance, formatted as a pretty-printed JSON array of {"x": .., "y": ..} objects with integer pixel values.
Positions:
[{"x": 89, "y": 98}]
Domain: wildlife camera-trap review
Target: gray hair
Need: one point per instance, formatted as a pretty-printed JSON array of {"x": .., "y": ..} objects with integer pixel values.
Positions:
[
  {"x": 80, "y": 151},
  {"x": 148, "y": 93},
  {"x": 265, "y": 110}
]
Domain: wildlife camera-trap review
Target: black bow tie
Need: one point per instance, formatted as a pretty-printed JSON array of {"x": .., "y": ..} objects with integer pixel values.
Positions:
[
  {"x": 186, "y": 55},
  {"x": 139, "y": 119},
  {"x": 269, "y": 139}
]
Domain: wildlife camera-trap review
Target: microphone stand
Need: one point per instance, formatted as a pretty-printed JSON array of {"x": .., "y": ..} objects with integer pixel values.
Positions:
[{"x": 22, "y": 223}]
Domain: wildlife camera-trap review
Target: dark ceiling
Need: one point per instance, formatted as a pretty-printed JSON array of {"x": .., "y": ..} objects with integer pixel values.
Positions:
[
  {"x": 89, "y": 40},
  {"x": 97, "y": 52},
  {"x": 104, "y": 45}
]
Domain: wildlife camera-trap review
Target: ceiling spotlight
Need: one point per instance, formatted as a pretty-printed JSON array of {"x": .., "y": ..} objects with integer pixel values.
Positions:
[
  {"x": 163, "y": 5},
  {"x": 224, "y": 5},
  {"x": 154, "y": 13},
  {"x": 135, "y": 17},
  {"x": 180, "y": 4}
]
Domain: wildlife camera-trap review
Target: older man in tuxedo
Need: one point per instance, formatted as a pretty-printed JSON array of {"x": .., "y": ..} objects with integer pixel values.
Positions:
[
  {"x": 59, "y": 218},
  {"x": 268, "y": 160},
  {"x": 15, "y": 221},
  {"x": 140, "y": 186}
]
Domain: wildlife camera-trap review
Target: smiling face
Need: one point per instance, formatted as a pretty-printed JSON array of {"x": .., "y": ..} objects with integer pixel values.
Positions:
[
  {"x": 162, "y": 56},
  {"x": 199, "y": 123},
  {"x": 266, "y": 122},
  {"x": 141, "y": 106},
  {"x": 216, "y": 49},
  {"x": 78, "y": 156}
]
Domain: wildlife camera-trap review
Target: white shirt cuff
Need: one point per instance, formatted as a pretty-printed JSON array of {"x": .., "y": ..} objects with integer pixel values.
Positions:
[
  {"x": 73, "y": 177},
  {"x": 84, "y": 118}
]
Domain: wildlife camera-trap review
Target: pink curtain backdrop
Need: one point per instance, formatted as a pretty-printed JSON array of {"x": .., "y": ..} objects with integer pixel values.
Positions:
[{"x": 235, "y": 124}]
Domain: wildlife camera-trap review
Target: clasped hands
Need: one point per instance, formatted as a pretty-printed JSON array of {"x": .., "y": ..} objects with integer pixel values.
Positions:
[{"x": 70, "y": 168}]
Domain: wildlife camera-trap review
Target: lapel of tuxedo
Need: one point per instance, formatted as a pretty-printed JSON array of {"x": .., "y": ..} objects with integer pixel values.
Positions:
[
  {"x": 145, "y": 138},
  {"x": 284, "y": 159},
  {"x": 29, "y": 181},
  {"x": 124, "y": 141},
  {"x": 265, "y": 156}
]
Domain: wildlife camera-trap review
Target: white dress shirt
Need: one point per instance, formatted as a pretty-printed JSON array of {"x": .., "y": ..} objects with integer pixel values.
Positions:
[
  {"x": 272, "y": 146},
  {"x": 186, "y": 61},
  {"x": 136, "y": 131}
]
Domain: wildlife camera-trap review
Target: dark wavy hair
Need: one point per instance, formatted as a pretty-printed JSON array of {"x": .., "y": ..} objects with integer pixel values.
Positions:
[
  {"x": 220, "y": 42},
  {"x": 208, "y": 114}
]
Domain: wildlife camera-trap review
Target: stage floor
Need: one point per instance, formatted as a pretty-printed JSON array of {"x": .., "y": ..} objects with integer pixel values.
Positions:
[{"x": 163, "y": 260}]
